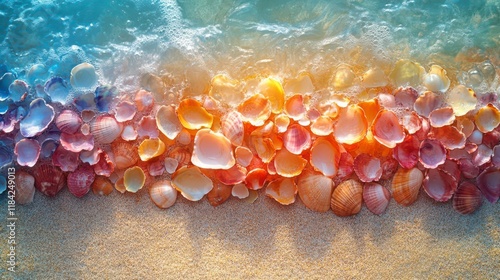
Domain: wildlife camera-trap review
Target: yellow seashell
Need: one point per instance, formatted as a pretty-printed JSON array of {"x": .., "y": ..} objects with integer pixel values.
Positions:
[
  {"x": 192, "y": 183},
  {"x": 151, "y": 148},
  {"x": 134, "y": 179},
  {"x": 193, "y": 116},
  {"x": 407, "y": 73},
  {"x": 344, "y": 77},
  {"x": 487, "y": 118},
  {"x": 226, "y": 90},
  {"x": 288, "y": 164},
  {"x": 272, "y": 90}
]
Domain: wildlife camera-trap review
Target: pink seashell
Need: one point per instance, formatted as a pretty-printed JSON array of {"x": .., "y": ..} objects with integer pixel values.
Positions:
[
  {"x": 147, "y": 127},
  {"x": 296, "y": 139},
  {"x": 489, "y": 183},
  {"x": 482, "y": 155},
  {"x": 389, "y": 168},
  {"x": 431, "y": 153},
  {"x": 80, "y": 181},
  {"x": 424, "y": 129},
  {"x": 256, "y": 179},
  {"x": 376, "y": 197},
  {"x": 85, "y": 129},
  {"x": 452, "y": 168},
  {"x": 27, "y": 152},
  {"x": 367, "y": 168},
  {"x": 442, "y": 117},
  {"x": 156, "y": 168},
  {"x": 406, "y": 153},
  {"x": 449, "y": 136},
  {"x": 346, "y": 166},
  {"x": 144, "y": 100},
  {"x": 294, "y": 107},
  {"x": 495, "y": 158},
  {"x": 105, "y": 129},
  {"x": 439, "y": 185},
  {"x": 491, "y": 139},
  {"x": 49, "y": 179},
  {"x": 68, "y": 121},
  {"x": 387, "y": 100},
  {"x": 351, "y": 126},
  {"x": 427, "y": 103},
  {"x": 387, "y": 130},
  {"x": 412, "y": 123},
  {"x": 168, "y": 122},
  {"x": 313, "y": 114},
  {"x": 25, "y": 187},
  {"x": 104, "y": 166},
  {"x": 459, "y": 154},
  {"x": 325, "y": 156},
  {"x": 129, "y": 133},
  {"x": 231, "y": 176},
  {"x": 467, "y": 198},
  {"x": 77, "y": 142},
  {"x": 466, "y": 126},
  {"x": 91, "y": 157},
  {"x": 124, "y": 111},
  {"x": 405, "y": 97},
  {"x": 243, "y": 156},
  {"x": 468, "y": 168},
  {"x": 232, "y": 127},
  {"x": 66, "y": 160}
]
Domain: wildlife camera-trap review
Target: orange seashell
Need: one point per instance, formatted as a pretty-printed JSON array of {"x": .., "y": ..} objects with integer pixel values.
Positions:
[
  {"x": 315, "y": 190},
  {"x": 465, "y": 125},
  {"x": 134, "y": 179},
  {"x": 102, "y": 186},
  {"x": 467, "y": 198},
  {"x": 330, "y": 109},
  {"x": 351, "y": 125},
  {"x": 80, "y": 180},
  {"x": 240, "y": 191},
  {"x": 193, "y": 116},
  {"x": 25, "y": 187},
  {"x": 288, "y": 164},
  {"x": 347, "y": 198},
  {"x": 167, "y": 122},
  {"x": 255, "y": 110},
  {"x": 406, "y": 184},
  {"x": 442, "y": 117},
  {"x": 232, "y": 127},
  {"x": 439, "y": 185},
  {"x": 387, "y": 130},
  {"x": 124, "y": 155},
  {"x": 219, "y": 194},
  {"x": 296, "y": 139},
  {"x": 256, "y": 178},
  {"x": 427, "y": 103},
  {"x": 226, "y": 90},
  {"x": 406, "y": 73},
  {"x": 487, "y": 118},
  {"x": 231, "y": 176},
  {"x": 192, "y": 183},
  {"x": 272, "y": 90},
  {"x": 325, "y": 156},
  {"x": 376, "y": 197},
  {"x": 322, "y": 126},
  {"x": 151, "y": 148},
  {"x": 294, "y": 107},
  {"x": 264, "y": 130},
  {"x": 105, "y": 129},
  {"x": 283, "y": 190},
  {"x": 264, "y": 147},
  {"x": 49, "y": 179},
  {"x": 449, "y": 136},
  {"x": 163, "y": 194},
  {"x": 282, "y": 121},
  {"x": 120, "y": 186},
  {"x": 462, "y": 100},
  {"x": 212, "y": 150},
  {"x": 68, "y": 121},
  {"x": 367, "y": 168},
  {"x": 371, "y": 109}
]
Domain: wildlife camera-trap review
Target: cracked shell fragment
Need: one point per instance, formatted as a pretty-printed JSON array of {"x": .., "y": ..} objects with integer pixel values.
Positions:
[
  {"x": 168, "y": 122},
  {"x": 192, "y": 183},
  {"x": 212, "y": 150},
  {"x": 151, "y": 148},
  {"x": 283, "y": 190}
]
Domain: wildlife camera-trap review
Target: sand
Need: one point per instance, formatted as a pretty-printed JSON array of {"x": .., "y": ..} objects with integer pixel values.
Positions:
[{"x": 128, "y": 237}]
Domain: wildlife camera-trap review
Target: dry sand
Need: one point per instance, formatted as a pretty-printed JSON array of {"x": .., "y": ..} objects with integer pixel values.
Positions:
[{"x": 127, "y": 237}]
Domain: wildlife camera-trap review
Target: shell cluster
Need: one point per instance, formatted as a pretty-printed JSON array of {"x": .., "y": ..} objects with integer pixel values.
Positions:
[{"x": 403, "y": 131}]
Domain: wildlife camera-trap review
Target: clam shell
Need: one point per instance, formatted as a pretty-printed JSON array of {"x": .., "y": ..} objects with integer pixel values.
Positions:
[
  {"x": 347, "y": 198},
  {"x": 125, "y": 111},
  {"x": 144, "y": 100},
  {"x": 467, "y": 198},
  {"x": 163, "y": 194},
  {"x": 171, "y": 165},
  {"x": 83, "y": 75},
  {"x": 18, "y": 90},
  {"x": 439, "y": 185},
  {"x": 406, "y": 184},
  {"x": 68, "y": 121},
  {"x": 387, "y": 130},
  {"x": 124, "y": 155},
  {"x": 351, "y": 125},
  {"x": 427, "y": 103},
  {"x": 325, "y": 156},
  {"x": 231, "y": 176},
  {"x": 465, "y": 125},
  {"x": 168, "y": 122},
  {"x": 151, "y": 148},
  {"x": 181, "y": 155},
  {"x": 102, "y": 186},
  {"x": 376, "y": 197},
  {"x": 219, "y": 194},
  {"x": 66, "y": 160},
  {"x": 129, "y": 133},
  {"x": 77, "y": 142},
  {"x": 406, "y": 153},
  {"x": 371, "y": 108},
  {"x": 322, "y": 126},
  {"x": 294, "y": 107},
  {"x": 193, "y": 116},
  {"x": 147, "y": 127},
  {"x": 272, "y": 90},
  {"x": 80, "y": 180},
  {"x": 27, "y": 152},
  {"x": 240, "y": 191},
  {"x": 487, "y": 118},
  {"x": 192, "y": 183},
  {"x": 315, "y": 190},
  {"x": 406, "y": 73},
  {"x": 39, "y": 117},
  {"x": 449, "y": 136},
  {"x": 105, "y": 166},
  {"x": 296, "y": 139},
  {"x": 405, "y": 97},
  {"x": 184, "y": 137},
  {"x": 489, "y": 183},
  {"x": 442, "y": 117},
  {"x": 212, "y": 150},
  {"x": 134, "y": 179},
  {"x": 57, "y": 89},
  {"x": 288, "y": 164},
  {"x": 389, "y": 168},
  {"x": 105, "y": 129},
  {"x": 243, "y": 156},
  {"x": 88, "y": 115},
  {"x": 491, "y": 139},
  {"x": 25, "y": 187},
  {"x": 431, "y": 153},
  {"x": 367, "y": 168},
  {"x": 482, "y": 155},
  {"x": 282, "y": 122},
  {"x": 256, "y": 178},
  {"x": 232, "y": 127},
  {"x": 120, "y": 186},
  {"x": 255, "y": 110},
  {"x": 283, "y": 190},
  {"x": 411, "y": 122},
  {"x": 462, "y": 100},
  {"x": 49, "y": 179},
  {"x": 468, "y": 168},
  {"x": 436, "y": 79}
]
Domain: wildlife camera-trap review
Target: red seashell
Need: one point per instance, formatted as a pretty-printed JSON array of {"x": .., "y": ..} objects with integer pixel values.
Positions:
[
  {"x": 495, "y": 158},
  {"x": 439, "y": 185},
  {"x": 232, "y": 176},
  {"x": 451, "y": 167},
  {"x": 367, "y": 167},
  {"x": 105, "y": 166},
  {"x": 406, "y": 153},
  {"x": 346, "y": 166},
  {"x": 467, "y": 198},
  {"x": 80, "y": 181},
  {"x": 489, "y": 183},
  {"x": 482, "y": 155},
  {"x": 389, "y": 168},
  {"x": 468, "y": 169},
  {"x": 49, "y": 179},
  {"x": 256, "y": 179},
  {"x": 491, "y": 139}
]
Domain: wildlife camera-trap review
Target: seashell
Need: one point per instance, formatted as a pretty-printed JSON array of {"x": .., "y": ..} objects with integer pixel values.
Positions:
[
  {"x": 315, "y": 190},
  {"x": 37, "y": 74},
  {"x": 387, "y": 100},
  {"x": 134, "y": 179},
  {"x": 124, "y": 156},
  {"x": 80, "y": 180},
  {"x": 144, "y": 100},
  {"x": 405, "y": 97},
  {"x": 27, "y": 152},
  {"x": 374, "y": 77},
  {"x": 102, "y": 186},
  {"x": 489, "y": 183},
  {"x": 163, "y": 194},
  {"x": 6, "y": 78},
  {"x": 451, "y": 167},
  {"x": 351, "y": 125},
  {"x": 91, "y": 157},
  {"x": 6, "y": 154},
  {"x": 347, "y": 198},
  {"x": 407, "y": 73},
  {"x": 487, "y": 118},
  {"x": 226, "y": 90},
  {"x": 386, "y": 129},
  {"x": 431, "y": 153},
  {"x": 120, "y": 186},
  {"x": 376, "y": 197},
  {"x": 325, "y": 156},
  {"x": 168, "y": 122},
  {"x": 436, "y": 79},
  {"x": 88, "y": 115},
  {"x": 482, "y": 155},
  {"x": 104, "y": 96},
  {"x": 83, "y": 75},
  {"x": 370, "y": 108},
  {"x": 39, "y": 117},
  {"x": 49, "y": 179},
  {"x": 64, "y": 159},
  {"x": 294, "y": 107},
  {"x": 367, "y": 168},
  {"x": 192, "y": 183},
  {"x": 265, "y": 130},
  {"x": 467, "y": 198},
  {"x": 343, "y": 78},
  {"x": 272, "y": 90},
  {"x": 346, "y": 166},
  {"x": 427, "y": 103},
  {"x": 77, "y": 142},
  {"x": 423, "y": 132},
  {"x": 171, "y": 165},
  {"x": 105, "y": 129},
  {"x": 439, "y": 185},
  {"x": 255, "y": 110},
  {"x": 57, "y": 89},
  {"x": 406, "y": 184},
  {"x": 124, "y": 111},
  {"x": 283, "y": 190},
  {"x": 256, "y": 178},
  {"x": 468, "y": 168},
  {"x": 105, "y": 166},
  {"x": 129, "y": 133},
  {"x": 219, "y": 194},
  {"x": 184, "y": 137},
  {"x": 25, "y": 187},
  {"x": 389, "y": 168},
  {"x": 288, "y": 164},
  {"x": 68, "y": 121},
  {"x": 495, "y": 158},
  {"x": 193, "y": 116},
  {"x": 232, "y": 127},
  {"x": 296, "y": 139},
  {"x": 322, "y": 126},
  {"x": 147, "y": 127},
  {"x": 243, "y": 156},
  {"x": 449, "y": 136},
  {"x": 85, "y": 102},
  {"x": 281, "y": 121},
  {"x": 240, "y": 191},
  {"x": 330, "y": 109},
  {"x": 442, "y": 117},
  {"x": 212, "y": 150},
  {"x": 466, "y": 126},
  {"x": 48, "y": 148},
  {"x": 18, "y": 90},
  {"x": 151, "y": 148},
  {"x": 180, "y": 154},
  {"x": 231, "y": 176},
  {"x": 462, "y": 100},
  {"x": 156, "y": 168},
  {"x": 301, "y": 84},
  {"x": 406, "y": 153},
  {"x": 491, "y": 139},
  {"x": 264, "y": 147}
]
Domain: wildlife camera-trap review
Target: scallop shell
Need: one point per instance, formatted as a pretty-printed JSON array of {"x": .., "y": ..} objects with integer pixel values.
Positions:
[
  {"x": 105, "y": 129},
  {"x": 231, "y": 176},
  {"x": 243, "y": 156},
  {"x": 68, "y": 121},
  {"x": 105, "y": 166},
  {"x": 406, "y": 73},
  {"x": 49, "y": 179},
  {"x": 83, "y": 75},
  {"x": 240, "y": 191},
  {"x": 27, "y": 152},
  {"x": 192, "y": 183},
  {"x": 406, "y": 153},
  {"x": 134, "y": 179},
  {"x": 255, "y": 110},
  {"x": 80, "y": 180},
  {"x": 125, "y": 111},
  {"x": 439, "y": 185},
  {"x": 151, "y": 148},
  {"x": 489, "y": 183},
  {"x": 442, "y": 117},
  {"x": 102, "y": 186},
  {"x": 39, "y": 117},
  {"x": 193, "y": 116},
  {"x": 288, "y": 164},
  {"x": 315, "y": 190},
  {"x": 219, "y": 194},
  {"x": 226, "y": 90},
  {"x": 256, "y": 178},
  {"x": 343, "y": 78},
  {"x": 163, "y": 194},
  {"x": 272, "y": 90},
  {"x": 467, "y": 198},
  {"x": 296, "y": 139},
  {"x": 144, "y": 100},
  {"x": 351, "y": 126},
  {"x": 462, "y": 100},
  {"x": 25, "y": 187},
  {"x": 168, "y": 122},
  {"x": 232, "y": 127},
  {"x": 325, "y": 156},
  {"x": 406, "y": 184},
  {"x": 66, "y": 160},
  {"x": 405, "y": 97},
  {"x": 376, "y": 197},
  {"x": 367, "y": 168},
  {"x": 147, "y": 127},
  {"x": 294, "y": 107},
  {"x": 283, "y": 190},
  {"x": 431, "y": 153},
  {"x": 124, "y": 155},
  {"x": 77, "y": 142},
  {"x": 387, "y": 130},
  {"x": 347, "y": 198},
  {"x": 212, "y": 150},
  {"x": 427, "y": 103},
  {"x": 436, "y": 79},
  {"x": 487, "y": 118}
]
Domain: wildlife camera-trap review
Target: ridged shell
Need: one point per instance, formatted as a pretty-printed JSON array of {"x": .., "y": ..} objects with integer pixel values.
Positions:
[
  {"x": 325, "y": 156},
  {"x": 255, "y": 110},
  {"x": 25, "y": 187},
  {"x": 347, "y": 198},
  {"x": 27, "y": 152},
  {"x": 283, "y": 190},
  {"x": 387, "y": 130},
  {"x": 192, "y": 184},
  {"x": 467, "y": 198},
  {"x": 296, "y": 139},
  {"x": 315, "y": 190},
  {"x": 134, "y": 179},
  {"x": 406, "y": 184},
  {"x": 182, "y": 155},
  {"x": 49, "y": 179},
  {"x": 376, "y": 197},
  {"x": 367, "y": 168},
  {"x": 102, "y": 186},
  {"x": 80, "y": 180},
  {"x": 105, "y": 129},
  {"x": 124, "y": 155},
  {"x": 273, "y": 91},
  {"x": 351, "y": 125},
  {"x": 68, "y": 121},
  {"x": 288, "y": 164},
  {"x": 219, "y": 194},
  {"x": 232, "y": 127},
  {"x": 66, "y": 160},
  {"x": 436, "y": 79},
  {"x": 431, "y": 153},
  {"x": 151, "y": 148},
  {"x": 489, "y": 183},
  {"x": 163, "y": 194},
  {"x": 212, "y": 150},
  {"x": 193, "y": 116},
  {"x": 439, "y": 185},
  {"x": 487, "y": 118}
]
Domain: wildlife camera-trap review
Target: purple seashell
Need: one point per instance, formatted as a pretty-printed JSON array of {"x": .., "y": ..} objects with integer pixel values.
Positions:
[
  {"x": 27, "y": 152},
  {"x": 104, "y": 97},
  {"x": 57, "y": 89}
]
